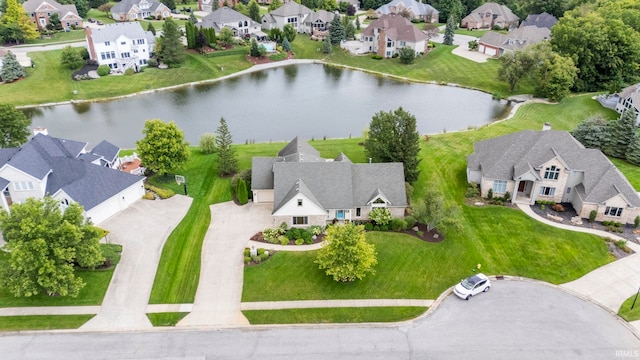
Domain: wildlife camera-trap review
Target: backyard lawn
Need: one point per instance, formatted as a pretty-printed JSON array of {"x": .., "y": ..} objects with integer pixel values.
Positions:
[{"x": 59, "y": 37}]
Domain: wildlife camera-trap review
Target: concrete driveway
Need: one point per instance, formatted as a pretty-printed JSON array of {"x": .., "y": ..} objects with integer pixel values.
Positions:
[
  {"x": 142, "y": 230},
  {"x": 219, "y": 292},
  {"x": 462, "y": 50}
]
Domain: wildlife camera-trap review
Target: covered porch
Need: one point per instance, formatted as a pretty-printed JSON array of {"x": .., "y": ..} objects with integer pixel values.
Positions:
[{"x": 524, "y": 193}]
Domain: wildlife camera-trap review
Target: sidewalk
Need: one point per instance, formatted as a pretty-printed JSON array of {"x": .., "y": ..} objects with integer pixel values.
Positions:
[{"x": 609, "y": 285}]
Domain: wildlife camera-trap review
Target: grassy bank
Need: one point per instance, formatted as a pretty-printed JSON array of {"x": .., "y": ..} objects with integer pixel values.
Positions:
[
  {"x": 92, "y": 294},
  {"x": 42, "y": 322},
  {"x": 333, "y": 315}
]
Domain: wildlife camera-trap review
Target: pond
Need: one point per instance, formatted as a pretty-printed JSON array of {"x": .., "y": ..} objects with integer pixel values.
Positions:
[{"x": 311, "y": 101}]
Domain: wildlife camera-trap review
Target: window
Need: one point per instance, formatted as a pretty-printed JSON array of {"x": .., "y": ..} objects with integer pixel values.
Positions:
[
  {"x": 292, "y": 20},
  {"x": 23, "y": 185},
  {"x": 103, "y": 56},
  {"x": 552, "y": 173},
  {"x": 113, "y": 54},
  {"x": 547, "y": 191},
  {"x": 123, "y": 43},
  {"x": 613, "y": 211},
  {"x": 141, "y": 41},
  {"x": 389, "y": 43},
  {"x": 300, "y": 220},
  {"x": 299, "y": 202},
  {"x": 403, "y": 44},
  {"x": 568, "y": 190},
  {"x": 358, "y": 211},
  {"x": 500, "y": 186},
  {"x": 107, "y": 43}
]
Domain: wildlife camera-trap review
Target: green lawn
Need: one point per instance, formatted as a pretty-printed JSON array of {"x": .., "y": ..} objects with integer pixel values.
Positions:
[
  {"x": 333, "y": 315},
  {"x": 92, "y": 294},
  {"x": 60, "y": 37},
  {"x": 42, "y": 322},
  {"x": 476, "y": 33},
  {"x": 166, "y": 319},
  {"x": 625, "y": 309}
]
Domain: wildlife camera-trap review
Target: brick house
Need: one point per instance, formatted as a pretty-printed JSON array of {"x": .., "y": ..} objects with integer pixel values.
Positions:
[{"x": 41, "y": 10}]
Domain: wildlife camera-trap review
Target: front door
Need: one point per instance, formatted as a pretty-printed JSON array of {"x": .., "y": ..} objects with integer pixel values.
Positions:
[
  {"x": 340, "y": 214},
  {"x": 7, "y": 196},
  {"x": 521, "y": 186}
]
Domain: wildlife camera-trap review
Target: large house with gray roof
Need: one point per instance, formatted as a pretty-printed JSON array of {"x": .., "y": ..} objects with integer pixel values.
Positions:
[
  {"x": 413, "y": 9},
  {"x": 41, "y": 10},
  {"x": 239, "y": 24},
  {"x": 136, "y": 10},
  {"x": 496, "y": 44},
  {"x": 552, "y": 165},
  {"x": 68, "y": 172},
  {"x": 306, "y": 189},
  {"x": 291, "y": 13},
  {"x": 490, "y": 15},
  {"x": 120, "y": 46},
  {"x": 386, "y": 35}
]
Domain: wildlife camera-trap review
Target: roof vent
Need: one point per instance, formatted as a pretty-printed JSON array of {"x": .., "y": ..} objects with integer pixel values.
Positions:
[
  {"x": 40, "y": 130},
  {"x": 546, "y": 126}
]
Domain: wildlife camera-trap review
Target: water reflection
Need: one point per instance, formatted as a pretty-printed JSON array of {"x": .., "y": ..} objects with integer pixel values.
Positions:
[
  {"x": 81, "y": 108},
  {"x": 180, "y": 97},
  {"x": 334, "y": 73},
  {"x": 290, "y": 72}
]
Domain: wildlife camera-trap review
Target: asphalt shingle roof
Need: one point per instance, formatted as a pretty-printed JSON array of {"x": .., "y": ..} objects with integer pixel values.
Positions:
[
  {"x": 124, "y": 6},
  {"x": 322, "y": 15},
  {"x": 418, "y": 8},
  {"x": 544, "y": 20},
  {"x": 291, "y": 8},
  {"x": 508, "y": 156},
  {"x": 396, "y": 28},
  {"x": 111, "y": 32},
  {"x": 517, "y": 38},
  {"x": 224, "y": 15},
  {"x": 107, "y": 150}
]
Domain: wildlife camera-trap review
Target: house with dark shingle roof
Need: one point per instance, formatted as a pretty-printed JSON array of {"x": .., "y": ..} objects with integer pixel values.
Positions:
[
  {"x": 412, "y": 8},
  {"x": 66, "y": 171},
  {"x": 239, "y": 24},
  {"x": 490, "y": 15},
  {"x": 544, "y": 20},
  {"x": 41, "y": 10},
  {"x": 317, "y": 21},
  {"x": 552, "y": 165},
  {"x": 629, "y": 99},
  {"x": 135, "y": 10},
  {"x": 291, "y": 13},
  {"x": 306, "y": 189},
  {"x": 389, "y": 33}
]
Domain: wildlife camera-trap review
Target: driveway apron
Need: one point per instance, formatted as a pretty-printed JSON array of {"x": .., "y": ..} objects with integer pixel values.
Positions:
[
  {"x": 219, "y": 293},
  {"x": 142, "y": 230}
]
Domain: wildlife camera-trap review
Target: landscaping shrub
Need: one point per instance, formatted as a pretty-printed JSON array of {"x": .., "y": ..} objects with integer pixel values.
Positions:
[
  {"x": 256, "y": 259},
  {"x": 558, "y": 207},
  {"x": 506, "y": 197},
  {"x": 315, "y": 230},
  {"x": 376, "y": 228},
  {"x": 263, "y": 256},
  {"x": 283, "y": 240},
  {"x": 411, "y": 221},
  {"x": 384, "y": 227},
  {"x": 490, "y": 194},
  {"x": 299, "y": 242},
  {"x": 260, "y": 251},
  {"x": 242, "y": 193},
  {"x": 592, "y": 216},
  {"x": 148, "y": 196},
  {"x": 308, "y": 241},
  {"x": 376, "y": 57},
  {"x": 152, "y": 63},
  {"x": 272, "y": 235},
  {"x": 420, "y": 233},
  {"x": 162, "y": 193},
  {"x": 247, "y": 259},
  {"x": 104, "y": 70},
  {"x": 636, "y": 221},
  {"x": 129, "y": 72},
  {"x": 297, "y": 233},
  {"x": 398, "y": 224},
  {"x": 472, "y": 190},
  {"x": 543, "y": 207},
  {"x": 621, "y": 244},
  {"x": 380, "y": 216},
  {"x": 617, "y": 224},
  {"x": 368, "y": 226},
  {"x": 246, "y": 252}
]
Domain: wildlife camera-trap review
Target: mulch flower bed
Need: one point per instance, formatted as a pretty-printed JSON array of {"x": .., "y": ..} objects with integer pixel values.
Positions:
[
  {"x": 432, "y": 236},
  {"x": 259, "y": 238}
]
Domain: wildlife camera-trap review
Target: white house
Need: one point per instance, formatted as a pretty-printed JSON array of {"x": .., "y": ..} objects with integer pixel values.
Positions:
[
  {"x": 66, "y": 171},
  {"x": 291, "y": 13},
  {"x": 389, "y": 33},
  {"x": 239, "y": 24},
  {"x": 306, "y": 189},
  {"x": 120, "y": 46},
  {"x": 629, "y": 99}
]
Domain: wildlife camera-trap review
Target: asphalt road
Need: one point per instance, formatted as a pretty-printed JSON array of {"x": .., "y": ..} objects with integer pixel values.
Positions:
[{"x": 522, "y": 320}]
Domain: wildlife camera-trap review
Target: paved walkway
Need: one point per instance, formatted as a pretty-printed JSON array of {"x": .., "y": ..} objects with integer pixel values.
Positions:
[
  {"x": 609, "y": 285},
  {"x": 219, "y": 293},
  {"x": 462, "y": 49},
  {"x": 50, "y": 310},
  {"x": 142, "y": 230}
]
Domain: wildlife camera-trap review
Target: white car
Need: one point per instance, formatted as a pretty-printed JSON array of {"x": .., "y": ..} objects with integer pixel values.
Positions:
[{"x": 472, "y": 286}]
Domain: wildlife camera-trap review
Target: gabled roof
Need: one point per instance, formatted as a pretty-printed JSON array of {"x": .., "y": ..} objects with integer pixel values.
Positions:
[
  {"x": 496, "y": 9},
  {"x": 322, "y": 15},
  {"x": 298, "y": 188},
  {"x": 543, "y": 20},
  {"x": 417, "y": 8},
  {"x": 224, "y": 15},
  {"x": 517, "y": 38},
  {"x": 629, "y": 90},
  {"x": 3, "y": 183},
  {"x": 291, "y": 8},
  {"x": 396, "y": 28},
  {"x": 111, "y": 32},
  {"x": 298, "y": 150},
  {"x": 33, "y": 5},
  {"x": 106, "y": 150},
  {"x": 124, "y": 6},
  {"x": 506, "y": 156}
]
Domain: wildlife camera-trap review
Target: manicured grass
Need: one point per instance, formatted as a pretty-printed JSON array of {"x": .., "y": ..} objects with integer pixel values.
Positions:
[
  {"x": 625, "y": 309},
  {"x": 476, "y": 33},
  {"x": 60, "y": 86},
  {"x": 92, "y": 294},
  {"x": 632, "y": 172},
  {"x": 42, "y": 322},
  {"x": 73, "y": 35},
  {"x": 166, "y": 319},
  {"x": 333, "y": 315}
]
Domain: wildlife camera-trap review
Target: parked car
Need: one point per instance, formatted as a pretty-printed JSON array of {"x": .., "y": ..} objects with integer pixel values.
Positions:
[
  {"x": 175, "y": 11},
  {"x": 99, "y": 22},
  {"x": 92, "y": 20},
  {"x": 472, "y": 286}
]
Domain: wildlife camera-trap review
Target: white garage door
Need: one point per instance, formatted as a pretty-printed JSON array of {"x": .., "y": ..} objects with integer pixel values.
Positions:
[{"x": 490, "y": 51}]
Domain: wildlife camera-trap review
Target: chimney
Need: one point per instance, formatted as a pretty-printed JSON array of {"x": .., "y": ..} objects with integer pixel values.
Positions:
[
  {"x": 546, "y": 126},
  {"x": 382, "y": 42},
  {"x": 92, "y": 50}
]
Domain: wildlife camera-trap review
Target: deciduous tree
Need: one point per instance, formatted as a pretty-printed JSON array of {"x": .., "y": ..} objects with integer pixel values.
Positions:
[
  {"x": 515, "y": 66},
  {"x": 553, "y": 74},
  {"x": 226, "y": 36},
  {"x": 434, "y": 212},
  {"x": 44, "y": 243},
  {"x": 289, "y": 32},
  {"x": 71, "y": 58},
  {"x": 393, "y": 138},
  {"x": 406, "y": 55},
  {"x": 208, "y": 143},
  {"x": 11, "y": 68},
  {"x": 163, "y": 147},
  {"x": 274, "y": 5},
  {"x": 346, "y": 255},
  {"x": 254, "y": 11},
  {"x": 173, "y": 52},
  {"x": 13, "y": 126},
  {"x": 15, "y": 24},
  {"x": 227, "y": 157}
]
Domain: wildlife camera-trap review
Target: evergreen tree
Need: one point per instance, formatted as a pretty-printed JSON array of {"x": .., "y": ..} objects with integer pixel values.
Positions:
[
  {"x": 227, "y": 158},
  {"x": 594, "y": 132},
  {"x": 255, "y": 51},
  {"x": 289, "y": 32},
  {"x": 190, "y": 34},
  {"x": 449, "y": 31},
  {"x": 171, "y": 4},
  {"x": 151, "y": 28},
  {"x": 407, "y": 55},
  {"x": 193, "y": 19},
  {"x": 83, "y": 7},
  {"x": 201, "y": 39},
  {"x": 393, "y": 138},
  {"x": 336, "y": 31},
  {"x": 326, "y": 45},
  {"x": 11, "y": 68},
  {"x": 211, "y": 35},
  {"x": 286, "y": 45},
  {"x": 622, "y": 134},
  {"x": 241, "y": 192},
  {"x": 172, "y": 52},
  {"x": 633, "y": 150},
  {"x": 254, "y": 11},
  {"x": 54, "y": 22},
  {"x": 357, "y": 23}
]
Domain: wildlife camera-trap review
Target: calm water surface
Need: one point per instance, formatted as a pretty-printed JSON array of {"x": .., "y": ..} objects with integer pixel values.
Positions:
[{"x": 310, "y": 101}]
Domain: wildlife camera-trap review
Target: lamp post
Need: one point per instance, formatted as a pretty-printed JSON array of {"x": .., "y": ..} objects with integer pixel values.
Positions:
[
  {"x": 180, "y": 180},
  {"x": 634, "y": 299}
]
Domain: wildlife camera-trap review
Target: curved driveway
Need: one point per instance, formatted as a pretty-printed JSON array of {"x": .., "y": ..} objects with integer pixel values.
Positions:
[{"x": 515, "y": 320}]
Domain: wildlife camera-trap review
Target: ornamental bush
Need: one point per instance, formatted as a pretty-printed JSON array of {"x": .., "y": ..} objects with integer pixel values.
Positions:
[
  {"x": 104, "y": 70},
  {"x": 381, "y": 216}
]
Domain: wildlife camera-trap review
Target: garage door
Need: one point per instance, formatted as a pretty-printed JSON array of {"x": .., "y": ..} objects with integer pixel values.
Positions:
[
  {"x": 490, "y": 51},
  {"x": 481, "y": 48}
]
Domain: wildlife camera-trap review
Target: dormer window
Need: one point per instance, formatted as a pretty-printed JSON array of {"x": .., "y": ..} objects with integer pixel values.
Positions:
[
  {"x": 552, "y": 173},
  {"x": 299, "y": 202}
]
